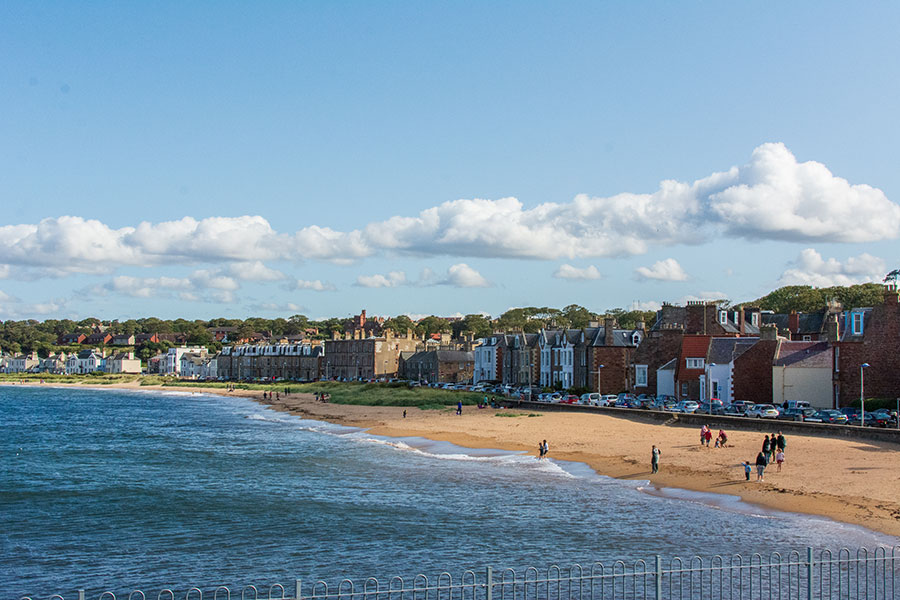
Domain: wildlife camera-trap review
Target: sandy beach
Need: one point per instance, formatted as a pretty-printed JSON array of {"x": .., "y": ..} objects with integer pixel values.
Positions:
[{"x": 846, "y": 480}]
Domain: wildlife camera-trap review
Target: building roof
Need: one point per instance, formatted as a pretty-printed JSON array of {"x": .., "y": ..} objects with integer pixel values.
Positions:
[
  {"x": 804, "y": 354},
  {"x": 724, "y": 350}
]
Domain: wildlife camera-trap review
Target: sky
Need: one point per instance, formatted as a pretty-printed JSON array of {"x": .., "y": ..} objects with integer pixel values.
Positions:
[{"x": 267, "y": 159}]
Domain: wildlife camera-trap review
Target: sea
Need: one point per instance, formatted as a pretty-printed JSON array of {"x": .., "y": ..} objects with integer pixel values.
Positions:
[{"x": 136, "y": 489}]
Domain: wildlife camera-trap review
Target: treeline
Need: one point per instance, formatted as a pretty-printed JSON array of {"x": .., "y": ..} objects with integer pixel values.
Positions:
[{"x": 41, "y": 336}]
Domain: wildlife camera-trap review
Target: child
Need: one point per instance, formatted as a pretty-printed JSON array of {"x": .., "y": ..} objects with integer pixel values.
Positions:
[
  {"x": 747, "y": 469},
  {"x": 779, "y": 458}
]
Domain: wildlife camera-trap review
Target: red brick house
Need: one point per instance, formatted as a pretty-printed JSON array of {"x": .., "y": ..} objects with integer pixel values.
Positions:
[
  {"x": 690, "y": 378},
  {"x": 68, "y": 339}
]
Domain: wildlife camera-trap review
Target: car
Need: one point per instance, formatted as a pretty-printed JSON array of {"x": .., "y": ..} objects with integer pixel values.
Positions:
[
  {"x": 762, "y": 411},
  {"x": 590, "y": 399},
  {"x": 608, "y": 400},
  {"x": 891, "y": 417},
  {"x": 569, "y": 399},
  {"x": 828, "y": 416},
  {"x": 851, "y": 412},
  {"x": 796, "y": 414},
  {"x": 733, "y": 411},
  {"x": 873, "y": 419},
  {"x": 710, "y": 409},
  {"x": 686, "y": 406},
  {"x": 742, "y": 405}
]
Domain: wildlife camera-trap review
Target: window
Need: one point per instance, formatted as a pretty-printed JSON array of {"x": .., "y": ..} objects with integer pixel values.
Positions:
[
  {"x": 640, "y": 375},
  {"x": 837, "y": 361},
  {"x": 754, "y": 319},
  {"x": 695, "y": 363},
  {"x": 723, "y": 317},
  {"x": 715, "y": 389},
  {"x": 636, "y": 338},
  {"x": 857, "y": 324},
  {"x": 807, "y": 338}
]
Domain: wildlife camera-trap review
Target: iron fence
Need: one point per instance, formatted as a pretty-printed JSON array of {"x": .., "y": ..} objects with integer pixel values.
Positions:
[{"x": 814, "y": 575}]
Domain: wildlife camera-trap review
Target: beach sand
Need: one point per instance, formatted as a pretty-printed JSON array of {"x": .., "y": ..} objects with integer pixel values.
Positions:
[{"x": 846, "y": 480}]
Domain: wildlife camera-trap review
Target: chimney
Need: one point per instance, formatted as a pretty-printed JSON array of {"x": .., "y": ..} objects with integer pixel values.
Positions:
[
  {"x": 640, "y": 326},
  {"x": 362, "y": 317},
  {"x": 832, "y": 329},
  {"x": 768, "y": 332},
  {"x": 335, "y": 335},
  {"x": 794, "y": 322},
  {"x": 608, "y": 326},
  {"x": 891, "y": 294}
]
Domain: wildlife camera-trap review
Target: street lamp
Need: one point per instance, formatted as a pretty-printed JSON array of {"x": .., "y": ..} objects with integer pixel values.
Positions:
[
  {"x": 862, "y": 394},
  {"x": 709, "y": 391},
  {"x": 598, "y": 376}
]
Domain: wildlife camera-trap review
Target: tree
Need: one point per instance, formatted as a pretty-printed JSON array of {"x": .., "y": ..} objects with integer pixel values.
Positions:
[
  {"x": 399, "y": 324},
  {"x": 433, "y": 324}
]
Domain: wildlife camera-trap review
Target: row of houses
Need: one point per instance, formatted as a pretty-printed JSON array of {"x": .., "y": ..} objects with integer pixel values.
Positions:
[
  {"x": 706, "y": 350},
  {"x": 84, "y": 361}
]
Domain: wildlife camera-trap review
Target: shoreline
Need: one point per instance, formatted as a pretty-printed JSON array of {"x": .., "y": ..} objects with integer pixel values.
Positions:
[{"x": 866, "y": 473}]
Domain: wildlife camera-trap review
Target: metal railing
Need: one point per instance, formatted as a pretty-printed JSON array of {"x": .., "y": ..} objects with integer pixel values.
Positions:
[{"x": 813, "y": 575}]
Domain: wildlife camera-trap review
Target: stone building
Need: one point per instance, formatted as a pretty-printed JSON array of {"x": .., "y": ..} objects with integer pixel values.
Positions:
[{"x": 358, "y": 357}]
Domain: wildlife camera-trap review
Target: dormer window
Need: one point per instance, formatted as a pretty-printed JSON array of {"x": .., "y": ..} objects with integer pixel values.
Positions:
[
  {"x": 694, "y": 363},
  {"x": 636, "y": 338},
  {"x": 723, "y": 316},
  {"x": 754, "y": 319},
  {"x": 856, "y": 324}
]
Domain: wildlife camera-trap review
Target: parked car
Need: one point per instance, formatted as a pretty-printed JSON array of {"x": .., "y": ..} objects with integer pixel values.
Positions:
[
  {"x": 742, "y": 405},
  {"x": 569, "y": 399},
  {"x": 850, "y": 411},
  {"x": 796, "y": 414},
  {"x": 710, "y": 409},
  {"x": 733, "y": 411},
  {"x": 608, "y": 400},
  {"x": 762, "y": 411},
  {"x": 828, "y": 416},
  {"x": 890, "y": 416},
  {"x": 686, "y": 406},
  {"x": 590, "y": 399}
]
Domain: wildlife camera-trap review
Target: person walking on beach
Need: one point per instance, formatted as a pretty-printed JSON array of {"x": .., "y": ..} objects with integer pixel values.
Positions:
[
  {"x": 459, "y": 407},
  {"x": 708, "y": 435},
  {"x": 546, "y": 448},
  {"x": 540, "y": 450},
  {"x": 761, "y": 462},
  {"x": 747, "y": 469},
  {"x": 780, "y": 442},
  {"x": 702, "y": 434},
  {"x": 654, "y": 460},
  {"x": 779, "y": 459},
  {"x": 766, "y": 447}
]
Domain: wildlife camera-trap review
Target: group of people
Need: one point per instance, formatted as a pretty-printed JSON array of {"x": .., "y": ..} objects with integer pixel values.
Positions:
[
  {"x": 322, "y": 397},
  {"x": 772, "y": 448},
  {"x": 706, "y": 437},
  {"x": 543, "y": 449},
  {"x": 269, "y": 396}
]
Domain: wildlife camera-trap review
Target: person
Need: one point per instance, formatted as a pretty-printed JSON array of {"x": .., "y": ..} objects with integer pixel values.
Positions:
[
  {"x": 540, "y": 450},
  {"x": 767, "y": 445},
  {"x": 761, "y": 462},
  {"x": 654, "y": 459},
  {"x": 546, "y": 448},
  {"x": 404, "y": 413},
  {"x": 722, "y": 438},
  {"x": 702, "y": 435},
  {"x": 779, "y": 458},
  {"x": 780, "y": 442},
  {"x": 459, "y": 407},
  {"x": 747, "y": 470},
  {"x": 708, "y": 435}
]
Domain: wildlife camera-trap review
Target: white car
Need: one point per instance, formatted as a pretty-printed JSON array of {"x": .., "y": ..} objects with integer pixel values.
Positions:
[
  {"x": 762, "y": 411},
  {"x": 608, "y": 400},
  {"x": 591, "y": 399},
  {"x": 686, "y": 406}
]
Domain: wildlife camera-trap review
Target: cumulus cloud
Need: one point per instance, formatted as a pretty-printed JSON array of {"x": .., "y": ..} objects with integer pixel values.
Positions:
[
  {"x": 663, "y": 270},
  {"x": 214, "y": 287},
  {"x": 392, "y": 279},
  {"x": 314, "y": 285},
  {"x": 4, "y": 271},
  {"x": 12, "y": 307},
  {"x": 570, "y": 272},
  {"x": 772, "y": 196},
  {"x": 463, "y": 276},
  {"x": 809, "y": 268},
  {"x": 286, "y": 307},
  {"x": 253, "y": 271}
]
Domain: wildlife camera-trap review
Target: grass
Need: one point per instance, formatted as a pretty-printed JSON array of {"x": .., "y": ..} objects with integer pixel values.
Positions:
[{"x": 89, "y": 378}]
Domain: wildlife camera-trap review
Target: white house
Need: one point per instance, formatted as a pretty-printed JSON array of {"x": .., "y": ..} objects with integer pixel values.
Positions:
[
  {"x": 719, "y": 368},
  {"x": 486, "y": 359},
  {"x": 23, "y": 363},
  {"x": 123, "y": 362},
  {"x": 171, "y": 362}
]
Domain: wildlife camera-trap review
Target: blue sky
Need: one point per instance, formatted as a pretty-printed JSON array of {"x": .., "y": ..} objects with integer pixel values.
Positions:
[{"x": 268, "y": 159}]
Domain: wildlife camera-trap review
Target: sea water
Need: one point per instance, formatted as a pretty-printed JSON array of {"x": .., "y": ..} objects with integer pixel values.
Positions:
[{"x": 120, "y": 490}]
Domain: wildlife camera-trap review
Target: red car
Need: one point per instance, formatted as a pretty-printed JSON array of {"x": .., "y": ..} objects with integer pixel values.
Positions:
[{"x": 570, "y": 399}]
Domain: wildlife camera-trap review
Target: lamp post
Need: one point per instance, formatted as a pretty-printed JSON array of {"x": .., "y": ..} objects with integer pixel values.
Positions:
[
  {"x": 598, "y": 377},
  {"x": 709, "y": 391},
  {"x": 862, "y": 394}
]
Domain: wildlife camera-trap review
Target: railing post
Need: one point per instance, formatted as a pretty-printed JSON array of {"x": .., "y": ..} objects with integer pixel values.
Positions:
[
  {"x": 658, "y": 577},
  {"x": 809, "y": 573},
  {"x": 298, "y": 585},
  {"x": 80, "y": 594},
  {"x": 489, "y": 583}
]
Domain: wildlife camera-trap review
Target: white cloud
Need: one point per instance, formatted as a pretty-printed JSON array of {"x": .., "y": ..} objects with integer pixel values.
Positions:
[
  {"x": 809, "y": 268},
  {"x": 216, "y": 287},
  {"x": 314, "y": 285},
  {"x": 773, "y": 196},
  {"x": 663, "y": 270},
  {"x": 15, "y": 308},
  {"x": 253, "y": 271},
  {"x": 702, "y": 297},
  {"x": 4, "y": 271},
  {"x": 463, "y": 276},
  {"x": 392, "y": 279},
  {"x": 287, "y": 307},
  {"x": 570, "y": 272},
  {"x": 646, "y": 305}
]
